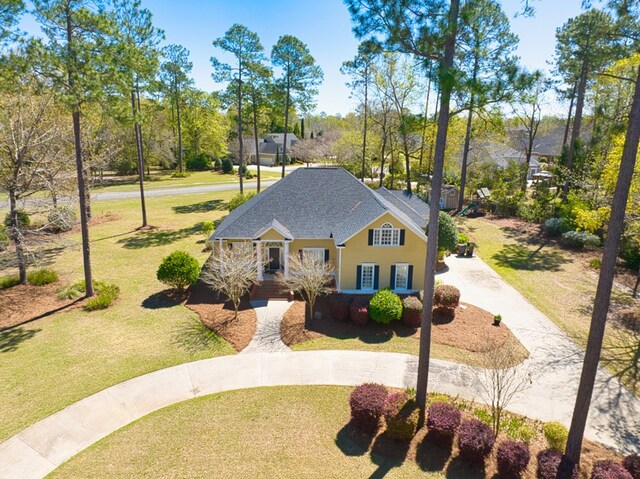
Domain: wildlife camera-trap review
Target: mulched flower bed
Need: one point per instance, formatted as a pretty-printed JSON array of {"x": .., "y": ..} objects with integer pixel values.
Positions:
[{"x": 23, "y": 303}]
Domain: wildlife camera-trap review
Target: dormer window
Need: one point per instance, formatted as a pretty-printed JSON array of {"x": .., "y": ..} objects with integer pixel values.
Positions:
[{"x": 386, "y": 235}]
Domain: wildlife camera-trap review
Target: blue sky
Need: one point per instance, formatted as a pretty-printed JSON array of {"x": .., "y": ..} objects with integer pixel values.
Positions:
[{"x": 325, "y": 26}]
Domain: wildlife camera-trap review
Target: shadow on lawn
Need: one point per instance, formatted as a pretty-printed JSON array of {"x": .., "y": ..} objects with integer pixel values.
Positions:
[
  {"x": 10, "y": 339},
  {"x": 161, "y": 300},
  {"x": 520, "y": 258},
  {"x": 149, "y": 238},
  {"x": 201, "y": 207},
  {"x": 387, "y": 454},
  {"x": 43, "y": 257}
]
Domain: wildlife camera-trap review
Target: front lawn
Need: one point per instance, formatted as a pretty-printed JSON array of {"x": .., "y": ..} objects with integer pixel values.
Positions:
[
  {"x": 283, "y": 432},
  {"x": 52, "y": 362}
]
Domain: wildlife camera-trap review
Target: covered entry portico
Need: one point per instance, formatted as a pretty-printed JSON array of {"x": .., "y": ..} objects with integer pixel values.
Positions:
[{"x": 274, "y": 255}]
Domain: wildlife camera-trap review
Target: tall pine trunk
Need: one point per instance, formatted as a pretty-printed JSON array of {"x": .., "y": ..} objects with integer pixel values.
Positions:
[
  {"x": 605, "y": 281},
  {"x": 286, "y": 127},
  {"x": 364, "y": 132},
  {"x": 240, "y": 139},
  {"x": 467, "y": 136},
  {"x": 180, "y": 162},
  {"x": 138, "y": 134},
  {"x": 255, "y": 137},
  {"x": 407, "y": 160},
  {"x": 577, "y": 124},
  {"x": 426, "y": 118},
  {"x": 567, "y": 127},
  {"x": 434, "y": 210},
  {"x": 383, "y": 152}
]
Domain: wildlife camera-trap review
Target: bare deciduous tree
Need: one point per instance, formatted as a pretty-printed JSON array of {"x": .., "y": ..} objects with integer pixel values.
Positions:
[
  {"x": 308, "y": 276},
  {"x": 232, "y": 272}
]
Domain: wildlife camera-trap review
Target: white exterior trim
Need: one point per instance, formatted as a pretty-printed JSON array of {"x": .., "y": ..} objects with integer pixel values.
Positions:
[
  {"x": 339, "y": 277},
  {"x": 373, "y": 276},
  {"x": 417, "y": 231}
]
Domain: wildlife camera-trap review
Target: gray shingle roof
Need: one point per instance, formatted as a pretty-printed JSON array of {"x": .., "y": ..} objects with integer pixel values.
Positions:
[
  {"x": 409, "y": 204},
  {"x": 315, "y": 203}
]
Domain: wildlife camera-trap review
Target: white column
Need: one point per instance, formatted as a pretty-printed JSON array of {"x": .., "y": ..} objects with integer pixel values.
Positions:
[
  {"x": 259, "y": 259},
  {"x": 220, "y": 248},
  {"x": 286, "y": 259},
  {"x": 339, "y": 268}
]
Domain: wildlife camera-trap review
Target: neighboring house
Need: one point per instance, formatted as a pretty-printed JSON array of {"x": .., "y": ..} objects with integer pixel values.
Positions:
[
  {"x": 373, "y": 239},
  {"x": 501, "y": 155},
  {"x": 271, "y": 148}
]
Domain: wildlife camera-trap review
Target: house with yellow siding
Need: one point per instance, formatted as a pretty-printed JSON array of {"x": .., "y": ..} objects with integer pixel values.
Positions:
[{"x": 374, "y": 239}]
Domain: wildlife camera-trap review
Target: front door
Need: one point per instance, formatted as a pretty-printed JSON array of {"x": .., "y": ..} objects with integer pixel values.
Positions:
[{"x": 274, "y": 259}]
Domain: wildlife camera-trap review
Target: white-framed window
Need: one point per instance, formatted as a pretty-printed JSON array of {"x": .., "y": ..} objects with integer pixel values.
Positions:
[
  {"x": 367, "y": 276},
  {"x": 316, "y": 253},
  {"x": 386, "y": 235},
  {"x": 402, "y": 276}
]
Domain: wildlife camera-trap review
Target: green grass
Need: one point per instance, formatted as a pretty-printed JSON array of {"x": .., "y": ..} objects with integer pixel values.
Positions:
[
  {"x": 53, "y": 362},
  {"x": 283, "y": 432},
  {"x": 163, "y": 179}
]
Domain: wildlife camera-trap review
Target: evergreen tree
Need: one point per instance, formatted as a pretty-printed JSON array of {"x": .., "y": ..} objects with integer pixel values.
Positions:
[{"x": 258, "y": 81}]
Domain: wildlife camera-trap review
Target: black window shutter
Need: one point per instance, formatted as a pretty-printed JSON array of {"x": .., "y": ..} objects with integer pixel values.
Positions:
[
  {"x": 326, "y": 256},
  {"x": 370, "y": 237},
  {"x": 376, "y": 276},
  {"x": 392, "y": 282},
  {"x": 401, "y": 237},
  {"x": 359, "y": 277},
  {"x": 410, "y": 278},
  {"x": 230, "y": 245},
  {"x": 300, "y": 253}
]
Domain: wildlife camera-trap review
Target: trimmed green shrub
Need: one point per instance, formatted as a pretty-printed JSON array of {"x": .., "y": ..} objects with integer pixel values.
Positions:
[
  {"x": 609, "y": 470},
  {"x": 42, "y": 277},
  {"x": 9, "y": 282},
  {"x": 367, "y": 403},
  {"x": 359, "y": 311},
  {"x": 339, "y": 305},
  {"x": 178, "y": 270},
  {"x": 23, "y": 219},
  {"x": 239, "y": 199},
  {"x": 200, "y": 162},
  {"x": 226, "y": 166},
  {"x": 385, "y": 307},
  {"x": 217, "y": 164},
  {"x": 630, "y": 251},
  {"x": 411, "y": 311},
  {"x": 208, "y": 227},
  {"x": 580, "y": 240},
  {"x": 549, "y": 462},
  {"x": 447, "y": 232},
  {"x": 632, "y": 464},
  {"x": 555, "y": 227},
  {"x": 475, "y": 440},
  {"x": 248, "y": 175},
  {"x": 446, "y": 296},
  {"x": 401, "y": 416},
  {"x": 556, "y": 435},
  {"x": 243, "y": 170},
  {"x": 443, "y": 421},
  {"x": 106, "y": 294},
  {"x": 62, "y": 219},
  {"x": 179, "y": 174},
  {"x": 462, "y": 238},
  {"x": 512, "y": 459}
]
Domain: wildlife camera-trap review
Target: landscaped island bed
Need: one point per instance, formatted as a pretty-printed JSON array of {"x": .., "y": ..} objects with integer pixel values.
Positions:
[{"x": 283, "y": 432}]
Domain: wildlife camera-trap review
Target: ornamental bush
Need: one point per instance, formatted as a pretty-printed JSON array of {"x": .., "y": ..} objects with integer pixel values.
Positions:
[
  {"x": 512, "y": 459},
  {"x": 475, "y": 440},
  {"x": 556, "y": 434},
  {"x": 580, "y": 240},
  {"x": 199, "y": 162},
  {"x": 609, "y": 470},
  {"x": 411, "y": 311},
  {"x": 226, "y": 166},
  {"x": 446, "y": 297},
  {"x": 367, "y": 403},
  {"x": 23, "y": 219},
  {"x": 555, "y": 227},
  {"x": 178, "y": 270},
  {"x": 548, "y": 464},
  {"x": 401, "y": 416},
  {"x": 339, "y": 305},
  {"x": 443, "y": 421},
  {"x": 447, "y": 232},
  {"x": 106, "y": 294},
  {"x": 42, "y": 277},
  {"x": 632, "y": 464},
  {"x": 385, "y": 307},
  {"x": 359, "y": 311},
  {"x": 239, "y": 199}
]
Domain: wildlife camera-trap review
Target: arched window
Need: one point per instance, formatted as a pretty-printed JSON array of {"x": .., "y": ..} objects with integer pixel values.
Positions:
[{"x": 386, "y": 235}]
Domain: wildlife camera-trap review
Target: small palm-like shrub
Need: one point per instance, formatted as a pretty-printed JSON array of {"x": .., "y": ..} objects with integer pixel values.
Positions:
[
  {"x": 367, "y": 403},
  {"x": 549, "y": 462},
  {"x": 556, "y": 434},
  {"x": 443, "y": 421},
  {"x": 385, "y": 307},
  {"x": 9, "y": 282},
  {"x": 178, "y": 270},
  {"x": 42, "y": 277},
  {"x": 106, "y": 294},
  {"x": 512, "y": 459},
  {"x": 632, "y": 464},
  {"x": 239, "y": 199},
  {"x": 475, "y": 440},
  {"x": 580, "y": 240},
  {"x": 359, "y": 311},
  {"x": 401, "y": 416},
  {"x": 339, "y": 305},
  {"x": 609, "y": 470},
  {"x": 411, "y": 311}
]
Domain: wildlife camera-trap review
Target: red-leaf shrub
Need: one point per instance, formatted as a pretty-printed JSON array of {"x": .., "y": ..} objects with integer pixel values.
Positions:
[
  {"x": 446, "y": 296},
  {"x": 401, "y": 416},
  {"x": 512, "y": 458},
  {"x": 339, "y": 306},
  {"x": 475, "y": 440},
  {"x": 359, "y": 310},
  {"x": 442, "y": 422},
  {"x": 632, "y": 464},
  {"x": 412, "y": 311},
  {"x": 548, "y": 464},
  {"x": 609, "y": 470},
  {"x": 367, "y": 403}
]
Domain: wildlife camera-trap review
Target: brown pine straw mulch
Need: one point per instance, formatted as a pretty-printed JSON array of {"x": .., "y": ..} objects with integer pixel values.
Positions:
[
  {"x": 24, "y": 303},
  {"x": 472, "y": 329},
  {"x": 218, "y": 316}
]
